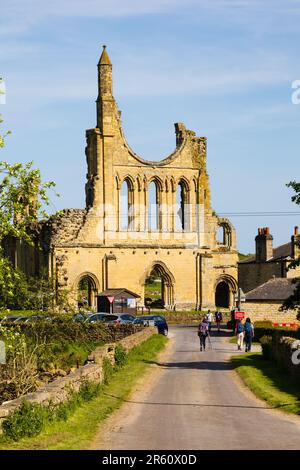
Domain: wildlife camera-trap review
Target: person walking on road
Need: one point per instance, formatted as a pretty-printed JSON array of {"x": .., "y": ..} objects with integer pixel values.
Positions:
[
  {"x": 219, "y": 318},
  {"x": 209, "y": 318},
  {"x": 203, "y": 333},
  {"x": 249, "y": 333},
  {"x": 239, "y": 331}
]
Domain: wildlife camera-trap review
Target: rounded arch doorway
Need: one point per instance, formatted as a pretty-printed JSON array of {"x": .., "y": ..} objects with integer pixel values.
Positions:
[
  {"x": 159, "y": 287},
  {"x": 222, "y": 295},
  {"x": 87, "y": 291}
]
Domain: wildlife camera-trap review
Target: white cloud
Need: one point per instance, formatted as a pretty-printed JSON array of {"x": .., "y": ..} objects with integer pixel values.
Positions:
[{"x": 19, "y": 16}]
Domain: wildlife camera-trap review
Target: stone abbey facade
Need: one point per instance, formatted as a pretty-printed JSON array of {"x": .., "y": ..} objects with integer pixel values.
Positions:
[{"x": 142, "y": 217}]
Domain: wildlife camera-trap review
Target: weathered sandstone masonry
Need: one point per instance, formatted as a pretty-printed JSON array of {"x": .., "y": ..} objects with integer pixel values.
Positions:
[{"x": 141, "y": 217}]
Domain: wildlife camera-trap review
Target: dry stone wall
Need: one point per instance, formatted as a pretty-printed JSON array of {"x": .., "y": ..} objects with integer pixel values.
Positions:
[{"x": 58, "y": 390}]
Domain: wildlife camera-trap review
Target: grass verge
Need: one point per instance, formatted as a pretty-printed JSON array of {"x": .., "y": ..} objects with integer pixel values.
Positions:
[
  {"x": 79, "y": 430},
  {"x": 268, "y": 382}
]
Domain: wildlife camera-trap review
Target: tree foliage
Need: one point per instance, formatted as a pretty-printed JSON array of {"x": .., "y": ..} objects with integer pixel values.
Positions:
[
  {"x": 23, "y": 200},
  {"x": 293, "y": 302}
]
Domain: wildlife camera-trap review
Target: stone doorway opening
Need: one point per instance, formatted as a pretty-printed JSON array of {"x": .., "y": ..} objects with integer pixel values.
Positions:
[
  {"x": 159, "y": 287},
  {"x": 87, "y": 291},
  {"x": 154, "y": 290},
  {"x": 222, "y": 296}
]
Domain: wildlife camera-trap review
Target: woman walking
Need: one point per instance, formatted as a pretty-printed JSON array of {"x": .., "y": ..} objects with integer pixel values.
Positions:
[
  {"x": 203, "y": 333},
  {"x": 239, "y": 331}
]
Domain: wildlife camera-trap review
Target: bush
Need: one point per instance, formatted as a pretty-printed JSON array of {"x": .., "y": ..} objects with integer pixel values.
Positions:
[
  {"x": 108, "y": 370},
  {"x": 263, "y": 324},
  {"x": 66, "y": 341},
  {"x": 30, "y": 419},
  {"x": 26, "y": 421},
  {"x": 19, "y": 374},
  {"x": 260, "y": 331},
  {"x": 120, "y": 355},
  {"x": 266, "y": 344}
]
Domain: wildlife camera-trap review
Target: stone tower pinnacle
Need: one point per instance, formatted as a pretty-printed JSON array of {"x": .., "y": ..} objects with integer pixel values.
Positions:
[{"x": 105, "y": 100}]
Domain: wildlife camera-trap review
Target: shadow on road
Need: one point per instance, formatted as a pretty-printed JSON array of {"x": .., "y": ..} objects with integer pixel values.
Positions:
[
  {"x": 198, "y": 365},
  {"x": 197, "y": 405}
]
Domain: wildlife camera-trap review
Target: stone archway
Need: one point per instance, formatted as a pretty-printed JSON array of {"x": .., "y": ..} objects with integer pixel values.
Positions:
[
  {"x": 225, "y": 289},
  {"x": 222, "y": 295},
  {"x": 87, "y": 289},
  {"x": 160, "y": 270}
]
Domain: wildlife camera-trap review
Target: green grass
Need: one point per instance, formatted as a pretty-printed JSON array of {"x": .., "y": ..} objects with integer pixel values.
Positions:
[
  {"x": 80, "y": 429},
  {"x": 66, "y": 355},
  {"x": 269, "y": 382}
]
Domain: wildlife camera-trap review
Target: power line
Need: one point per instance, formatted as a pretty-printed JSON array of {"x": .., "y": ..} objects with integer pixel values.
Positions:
[{"x": 258, "y": 214}]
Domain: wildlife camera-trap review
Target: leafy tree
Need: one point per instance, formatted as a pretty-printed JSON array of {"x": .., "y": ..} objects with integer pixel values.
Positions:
[
  {"x": 293, "y": 302},
  {"x": 13, "y": 286},
  {"x": 23, "y": 199}
]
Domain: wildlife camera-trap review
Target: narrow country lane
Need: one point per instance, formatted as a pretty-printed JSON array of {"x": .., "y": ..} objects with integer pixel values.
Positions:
[{"x": 193, "y": 400}]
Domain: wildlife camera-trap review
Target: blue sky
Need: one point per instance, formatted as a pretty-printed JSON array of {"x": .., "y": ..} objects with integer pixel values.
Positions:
[{"x": 223, "y": 67}]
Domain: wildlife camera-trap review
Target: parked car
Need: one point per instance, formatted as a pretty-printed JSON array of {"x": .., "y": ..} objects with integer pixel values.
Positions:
[
  {"x": 121, "y": 319},
  {"x": 157, "y": 320},
  {"x": 100, "y": 316},
  {"x": 10, "y": 318},
  {"x": 21, "y": 319},
  {"x": 33, "y": 318}
]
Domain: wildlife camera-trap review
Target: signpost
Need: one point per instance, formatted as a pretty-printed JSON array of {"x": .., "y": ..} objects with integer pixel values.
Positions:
[
  {"x": 239, "y": 297},
  {"x": 111, "y": 301},
  {"x": 239, "y": 315}
]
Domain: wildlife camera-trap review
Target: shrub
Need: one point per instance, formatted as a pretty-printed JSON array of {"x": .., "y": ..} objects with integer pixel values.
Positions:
[
  {"x": 260, "y": 331},
  {"x": 30, "y": 418},
  {"x": 108, "y": 370},
  {"x": 120, "y": 355},
  {"x": 263, "y": 324},
  {"x": 266, "y": 344},
  {"x": 19, "y": 374},
  {"x": 26, "y": 421}
]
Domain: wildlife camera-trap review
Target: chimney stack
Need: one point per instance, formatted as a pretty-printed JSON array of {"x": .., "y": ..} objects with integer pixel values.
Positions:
[
  {"x": 295, "y": 244},
  {"x": 263, "y": 245}
]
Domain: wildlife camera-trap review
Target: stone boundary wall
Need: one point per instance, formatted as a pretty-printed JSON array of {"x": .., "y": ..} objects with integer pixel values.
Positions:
[
  {"x": 261, "y": 311},
  {"x": 58, "y": 390}
]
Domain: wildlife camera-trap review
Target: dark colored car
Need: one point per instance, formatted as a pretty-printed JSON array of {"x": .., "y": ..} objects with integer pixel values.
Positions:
[{"x": 158, "y": 320}]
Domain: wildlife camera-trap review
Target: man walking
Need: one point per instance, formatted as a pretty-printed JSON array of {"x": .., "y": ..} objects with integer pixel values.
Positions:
[
  {"x": 203, "y": 333},
  {"x": 209, "y": 318}
]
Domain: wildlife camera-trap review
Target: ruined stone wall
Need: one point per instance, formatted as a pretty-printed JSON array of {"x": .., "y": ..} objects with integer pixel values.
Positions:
[{"x": 63, "y": 228}]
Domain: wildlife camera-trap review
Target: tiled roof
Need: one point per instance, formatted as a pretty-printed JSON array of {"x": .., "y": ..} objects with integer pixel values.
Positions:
[
  {"x": 282, "y": 251},
  {"x": 278, "y": 288},
  {"x": 117, "y": 291}
]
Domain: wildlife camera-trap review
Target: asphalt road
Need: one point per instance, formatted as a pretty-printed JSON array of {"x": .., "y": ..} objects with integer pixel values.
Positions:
[{"x": 193, "y": 400}]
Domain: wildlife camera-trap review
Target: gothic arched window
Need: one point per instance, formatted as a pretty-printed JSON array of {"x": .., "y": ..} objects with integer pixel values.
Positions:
[
  {"x": 126, "y": 205},
  {"x": 153, "y": 206},
  {"x": 182, "y": 207}
]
